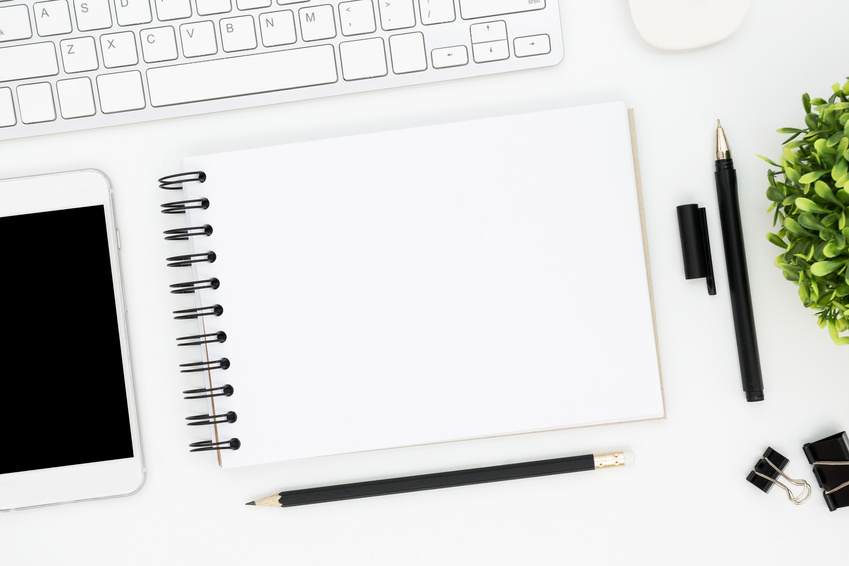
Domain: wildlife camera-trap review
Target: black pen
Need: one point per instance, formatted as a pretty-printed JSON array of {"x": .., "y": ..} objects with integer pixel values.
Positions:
[
  {"x": 738, "y": 275},
  {"x": 439, "y": 480}
]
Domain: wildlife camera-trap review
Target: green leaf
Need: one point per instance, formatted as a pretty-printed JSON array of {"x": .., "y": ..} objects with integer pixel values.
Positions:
[
  {"x": 808, "y": 205},
  {"x": 813, "y": 175},
  {"x": 795, "y": 228},
  {"x": 824, "y": 192},
  {"x": 791, "y": 157},
  {"x": 834, "y": 140},
  {"x": 792, "y": 174},
  {"x": 768, "y": 160},
  {"x": 823, "y": 268},
  {"x": 840, "y": 169},
  {"x": 832, "y": 250},
  {"x": 776, "y": 240},
  {"x": 806, "y": 102},
  {"x": 775, "y": 195}
]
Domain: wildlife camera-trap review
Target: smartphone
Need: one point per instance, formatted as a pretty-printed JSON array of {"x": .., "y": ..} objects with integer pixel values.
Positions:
[{"x": 71, "y": 429}]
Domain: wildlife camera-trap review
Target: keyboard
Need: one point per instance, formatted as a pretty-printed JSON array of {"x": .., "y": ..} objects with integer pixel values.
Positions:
[{"x": 75, "y": 64}]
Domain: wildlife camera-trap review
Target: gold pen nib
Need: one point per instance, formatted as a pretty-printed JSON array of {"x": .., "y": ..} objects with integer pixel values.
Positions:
[{"x": 722, "y": 151}]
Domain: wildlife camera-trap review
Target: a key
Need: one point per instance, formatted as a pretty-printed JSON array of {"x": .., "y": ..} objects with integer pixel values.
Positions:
[
  {"x": 92, "y": 14},
  {"x": 7, "y": 108},
  {"x": 36, "y": 103},
  {"x": 52, "y": 18},
  {"x": 119, "y": 49},
  {"x": 193, "y": 82},
  {"x": 14, "y": 23},
  {"x": 198, "y": 39},
  {"x": 28, "y": 62},
  {"x": 357, "y": 17},
  {"x": 363, "y": 59},
  {"x": 158, "y": 44},
  {"x": 437, "y": 11},
  {"x": 131, "y": 12},
  {"x": 78, "y": 55},
  {"x": 120, "y": 92},
  {"x": 238, "y": 34},
  {"x": 470, "y": 9},
  {"x": 317, "y": 23},
  {"x": 396, "y": 14},
  {"x": 408, "y": 53},
  {"x": 76, "y": 99},
  {"x": 277, "y": 28}
]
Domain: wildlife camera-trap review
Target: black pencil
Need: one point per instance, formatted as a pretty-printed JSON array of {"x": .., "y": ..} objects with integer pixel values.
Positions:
[{"x": 439, "y": 480}]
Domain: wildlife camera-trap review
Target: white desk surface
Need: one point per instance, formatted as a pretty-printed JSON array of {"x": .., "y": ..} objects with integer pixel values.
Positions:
[{"x": 685, "y": 501}]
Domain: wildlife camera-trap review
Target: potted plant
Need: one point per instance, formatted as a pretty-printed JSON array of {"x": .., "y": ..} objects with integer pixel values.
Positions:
[{"x": 809, "y": 192}]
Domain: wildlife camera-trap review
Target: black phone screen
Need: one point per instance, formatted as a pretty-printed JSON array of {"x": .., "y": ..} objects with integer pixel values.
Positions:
[{"x": 62, "y": 374}]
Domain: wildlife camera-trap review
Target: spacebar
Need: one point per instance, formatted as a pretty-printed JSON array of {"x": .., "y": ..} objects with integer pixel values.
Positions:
[{"x": 239, "y": 76}]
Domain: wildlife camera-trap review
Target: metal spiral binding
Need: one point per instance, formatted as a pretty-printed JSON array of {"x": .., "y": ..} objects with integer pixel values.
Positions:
[
  {"x": 200, "y": 339},
  {"x": 198, "y": 312},
  {"x": 186, "y": 260},
  {"x": 181, "y": 206},
  {"x": 176, "y": 182},
  {"x": 209, "y": 365},
  {"x": 186, "y": 233},
  {"x": 207, "y": 445},
  {"x": 194, "y": 286},
  {"x": 206, "y": 393},
  {"x": 199, "y": 420}
]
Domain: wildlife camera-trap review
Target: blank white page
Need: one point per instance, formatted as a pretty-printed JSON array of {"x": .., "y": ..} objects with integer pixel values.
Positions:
[{"x": 440, "y": 283}]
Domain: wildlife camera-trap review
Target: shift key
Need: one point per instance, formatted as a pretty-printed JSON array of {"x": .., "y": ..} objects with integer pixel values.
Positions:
[
  {"x": 470, "y": 9},
  {"x": 28, "y": 62}
]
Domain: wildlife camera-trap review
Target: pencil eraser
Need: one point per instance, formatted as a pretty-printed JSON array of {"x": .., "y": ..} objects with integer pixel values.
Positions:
[{"x": 629, "y": 457}]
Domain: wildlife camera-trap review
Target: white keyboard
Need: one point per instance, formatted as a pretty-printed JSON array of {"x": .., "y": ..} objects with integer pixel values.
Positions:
[{"x": 76, "y": 64}]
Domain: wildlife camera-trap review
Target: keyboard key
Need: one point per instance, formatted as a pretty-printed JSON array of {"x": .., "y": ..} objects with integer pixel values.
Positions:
[
  {"x": 92, "y": 14},
  {"x": 131, "y": 12},
  {"x": 120, "y": 92},
  {"x": 14, "y": 23},
  {"x": 252, "y": 4},
  {"x": 437, "y": 11},
  {"x": 78, "y": 55},
  {"x": 470, "y": 9},
  {"x": 52, "y": 18},
  {"x": 489, "y": 31},
  {"x": 158, "y": 44},
  {"x": 396, "y": 14},
  {"x": 119, "y": 49},
  {"x": 278, "y": 28},
  {"x": 363, "y": 59},
  {"x": 76, "y": 99},
  {"x": 7, "y": 108},
  {"x": 193, "y": 82},
  {"x": 445, "y": 57},
  {"x": 173, "y": 9},
  {"x": 209, "y": 7},
  {"x": 36, "y": 103},
  {"x": 532, "y": 45},
  {"x": 238, "y": 34},
  {"x": 28, "y": 62},
  {"x": 317, "y": 23},
  {"x": 198, "y": 39},
  {"x": 490, "y": 51},
  {"x": 357, "y": 17},
  {"x": 408, "y": 53}
]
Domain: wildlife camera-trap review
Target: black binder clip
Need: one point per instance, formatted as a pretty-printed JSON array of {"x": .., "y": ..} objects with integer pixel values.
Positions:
[
  {"x": 830, "y": 459},
  {"x": 695, "y": 244},
  {"x": 766, "y": 473}
]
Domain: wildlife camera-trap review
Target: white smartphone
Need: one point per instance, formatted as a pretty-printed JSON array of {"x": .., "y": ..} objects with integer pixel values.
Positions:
[{"x": 71, "y": 431}]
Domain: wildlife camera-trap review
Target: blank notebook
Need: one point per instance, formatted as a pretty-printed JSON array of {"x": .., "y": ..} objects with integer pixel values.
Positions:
[{"x": 432, "y": 284}]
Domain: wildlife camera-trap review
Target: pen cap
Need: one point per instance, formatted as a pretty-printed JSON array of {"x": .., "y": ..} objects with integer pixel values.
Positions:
[{"x": 695, "y": 244}]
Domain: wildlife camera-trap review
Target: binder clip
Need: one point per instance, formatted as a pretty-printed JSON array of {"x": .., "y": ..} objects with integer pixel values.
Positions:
[
  {"x": 766, "y": 473},
  {"x": 695, "y": 244},
  {"x": 830, "y": 459}
]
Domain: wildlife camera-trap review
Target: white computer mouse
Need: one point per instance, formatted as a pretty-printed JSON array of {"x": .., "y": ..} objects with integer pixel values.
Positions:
[{"x": 685, "y": 24}]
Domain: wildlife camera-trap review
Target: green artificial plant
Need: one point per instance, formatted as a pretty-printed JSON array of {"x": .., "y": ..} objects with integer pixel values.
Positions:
[{"x": 809, "y": 193}]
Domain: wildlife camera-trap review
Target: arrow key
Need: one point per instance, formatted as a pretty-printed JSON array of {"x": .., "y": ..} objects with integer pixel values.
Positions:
[
  {"x": 444, "y": 57},
  {"x": 490, "y": 51},
  {"x": 531, "y": 45},
  {"x": 489, "y": 31}
]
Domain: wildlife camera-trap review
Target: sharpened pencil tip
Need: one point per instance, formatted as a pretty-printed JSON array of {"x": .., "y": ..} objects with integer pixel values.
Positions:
[
  {"x": 718, "y": 125},
  {"x": 251, "y": 503}
]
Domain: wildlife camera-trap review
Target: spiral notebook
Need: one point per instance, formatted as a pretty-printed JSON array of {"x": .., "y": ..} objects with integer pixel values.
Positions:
[{"x": 432, "y": 284}]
